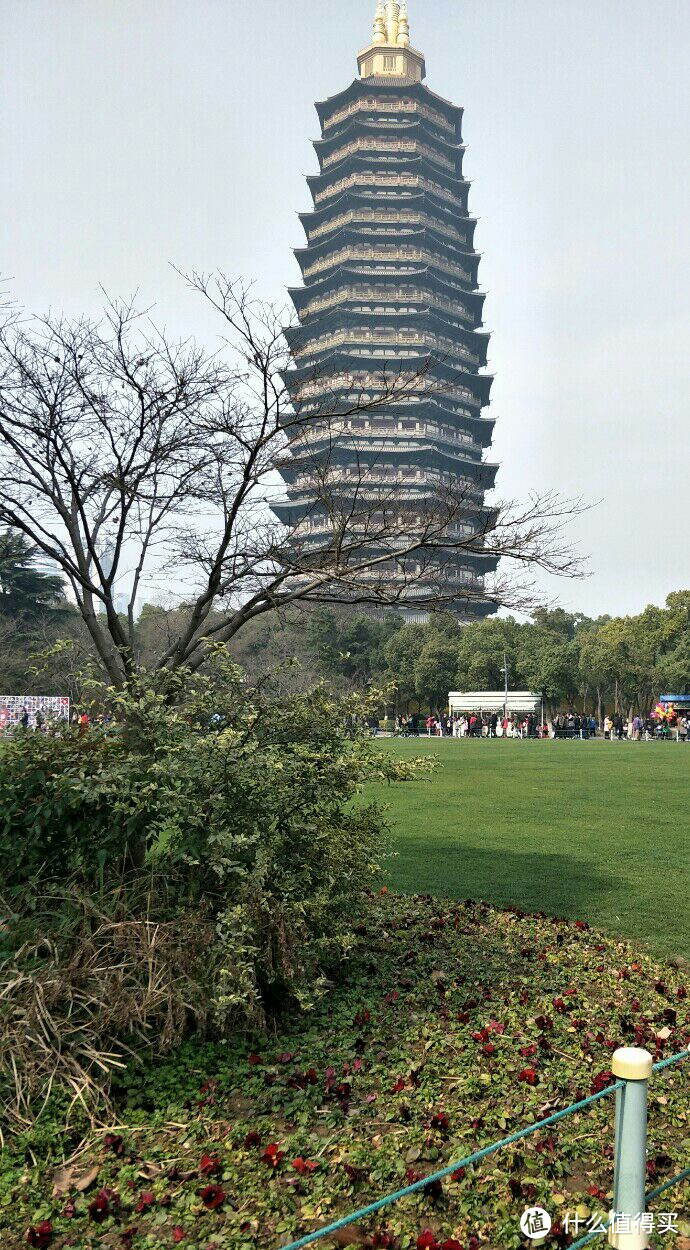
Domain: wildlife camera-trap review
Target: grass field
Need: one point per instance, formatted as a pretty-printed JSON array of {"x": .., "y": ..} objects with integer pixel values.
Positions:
[{"x": 598, "y": 831}]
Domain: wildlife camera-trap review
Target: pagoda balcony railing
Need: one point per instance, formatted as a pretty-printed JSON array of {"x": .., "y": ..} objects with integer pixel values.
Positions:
[
  {"x": 421, "y": 295},
  {"x": 397, "y": 438},
  {"x": 361, "y": 337},
  {"x": 375, "y": 144},
  {"x": 373, "y": 479},
  {"x": 386, "y": 252},
  {"x": 406, "y": 402},
  {"x": 381, "y": 105},
  {"x": 384, "y": 181},
  {"x": 385, "y": 216},
  {"x": 372, "y": 386}
]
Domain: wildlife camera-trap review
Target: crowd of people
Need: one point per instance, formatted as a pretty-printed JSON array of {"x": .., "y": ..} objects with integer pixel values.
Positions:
[{"x": 573, "y": 725}]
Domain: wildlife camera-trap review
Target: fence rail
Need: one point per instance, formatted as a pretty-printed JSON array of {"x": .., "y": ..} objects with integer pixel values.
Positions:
[{"x": 635, "y": 1068}]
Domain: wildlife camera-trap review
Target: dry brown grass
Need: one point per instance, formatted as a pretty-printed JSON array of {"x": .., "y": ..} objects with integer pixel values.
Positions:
[{"x": 101, "y": 985}]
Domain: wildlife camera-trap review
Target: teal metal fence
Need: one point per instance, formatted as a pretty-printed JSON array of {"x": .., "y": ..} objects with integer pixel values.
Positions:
[{"x": 629, "y": 1150}]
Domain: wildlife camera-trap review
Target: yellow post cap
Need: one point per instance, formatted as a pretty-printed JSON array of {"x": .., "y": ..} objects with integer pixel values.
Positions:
[{"x": 632, "y": 1063}]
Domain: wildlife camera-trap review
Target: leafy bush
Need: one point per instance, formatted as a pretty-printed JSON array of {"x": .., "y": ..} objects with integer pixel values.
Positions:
[{"x": 243, "y": 808}]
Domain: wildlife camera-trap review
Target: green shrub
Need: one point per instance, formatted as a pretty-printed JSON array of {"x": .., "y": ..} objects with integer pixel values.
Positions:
[{"x": 242, "y": 807}]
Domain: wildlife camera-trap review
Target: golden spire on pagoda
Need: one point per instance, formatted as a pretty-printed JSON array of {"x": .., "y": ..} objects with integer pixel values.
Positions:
[{"x": 390, "y": 53}]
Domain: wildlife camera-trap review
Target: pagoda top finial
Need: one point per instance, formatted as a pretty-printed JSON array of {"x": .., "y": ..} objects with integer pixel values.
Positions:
[{"x": 390, "y": 51}]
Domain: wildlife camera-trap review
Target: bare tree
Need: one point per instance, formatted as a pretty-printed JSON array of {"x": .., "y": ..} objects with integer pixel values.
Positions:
[{"x": 133, "y": 460}]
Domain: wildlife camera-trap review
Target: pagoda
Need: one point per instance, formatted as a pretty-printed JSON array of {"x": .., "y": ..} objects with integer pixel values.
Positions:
[{"x": 389, "y": 302}]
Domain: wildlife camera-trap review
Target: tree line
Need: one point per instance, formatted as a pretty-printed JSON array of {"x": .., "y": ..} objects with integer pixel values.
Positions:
[
  {"x": 609, "y": 664},
  {"x": 597, "y": 665}
]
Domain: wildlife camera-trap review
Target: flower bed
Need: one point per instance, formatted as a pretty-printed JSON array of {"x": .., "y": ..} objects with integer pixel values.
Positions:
[{"x": 455, "y": 1024}]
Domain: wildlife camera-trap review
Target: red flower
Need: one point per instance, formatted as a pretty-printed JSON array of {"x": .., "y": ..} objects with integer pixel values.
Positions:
[
  {"x": 440, "y": 1121},
  {"x": 178, "y": 1234},
  {"x": 212, "y": 1196},
  {"x": 39, "y": 1235},
  {"x": 69, "y": 1210},
  {"x": 252, "y": 1139},
  {"x": 127, "y": 1237},
  {"x": 146, "y": 1201},
  {"x": 601, "y": 1080},
  {"x": 427, "y": 1241},
  {"x": 99, "y": 1209},
  {"x": 254, "y": 1059},
  {"x": 272, "y": 1155},
  {"x": 209, "y": 1165},
  {"x": 113, "y": 1142},
  {"x": 399, "y": 1086},
  {"x": 489, "y": 1049},
  {"x": 458, "y": 1174},
  {"x": 681, "y": 992},
  {"x": 451, "y": 1244},
  {"x": 285, "y": 1057},
  {"x": 529, "y": 1075},
  {"x": 526, "y": 1051},
  {"x": 304, "y": 1166}
]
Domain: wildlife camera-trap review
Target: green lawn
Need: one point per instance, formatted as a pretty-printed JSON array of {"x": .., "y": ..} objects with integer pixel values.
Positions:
[{"x": 598, "y": 831}]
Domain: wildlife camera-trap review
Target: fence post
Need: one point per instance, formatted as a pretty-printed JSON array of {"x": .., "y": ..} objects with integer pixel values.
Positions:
[{"x": 632, "y": 1065}]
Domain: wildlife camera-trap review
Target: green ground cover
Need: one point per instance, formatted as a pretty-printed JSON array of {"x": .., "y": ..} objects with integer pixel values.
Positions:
[
  {"x": 454, "y": 1024},
  {"x": 594, "y": 830}
]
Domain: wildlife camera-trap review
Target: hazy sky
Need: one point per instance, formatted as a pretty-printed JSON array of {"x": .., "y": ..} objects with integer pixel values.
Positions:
[{"x": 136, "y": 133}]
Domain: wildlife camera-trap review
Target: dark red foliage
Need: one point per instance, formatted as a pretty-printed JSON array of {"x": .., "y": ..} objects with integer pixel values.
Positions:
[
  {"x": 681, "y": 992},
  {"x": 127, "y": 1237},
  {"x": 528, "y": 1075},
  {"x": 399, "y": 1086},
  {"x": 458, "y": 1174},
  {"x": 543, "y": 1023},
  {"x": 254, "y": 1059},
  {"x": 252, "y": 1139},
  {"x": 489, "y": 1049},
  {"x": 101, "y": 1206},
  {"x": 286, "y": 1057},
  {"x": 526, "y": 1051},
  {"x": 212, "y": 1196},
  {"x": 113, "y": 1142},
  {"x": 601, "y": 1081},
  {"x": 451, "y": 1244},
  {"x": 440, "y": 1121},
  {"x": 354, "y": 1173},
  {"x": 427, "y": 1241},
  {"x": 69, "y": 1210},
  {"x": 434, "y": 1190},
  {"x": 146, "y": 1201},
  {"x": 272, "y": 1155},
  {"x": 39, "y": 1235},
  {"x": 178, "y": 1234},
  {"x": 210, "y": 1165},
  {"x": 595, "y": 1192},
  {"x": 305, "y": 1166}
]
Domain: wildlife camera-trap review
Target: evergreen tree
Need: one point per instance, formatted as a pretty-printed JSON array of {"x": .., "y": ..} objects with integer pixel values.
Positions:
[{"x": 25, "y": 592}]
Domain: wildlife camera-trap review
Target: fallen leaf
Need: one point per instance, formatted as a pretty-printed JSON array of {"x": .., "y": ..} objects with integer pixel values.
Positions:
[{"x": 65, "y": 1179}]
